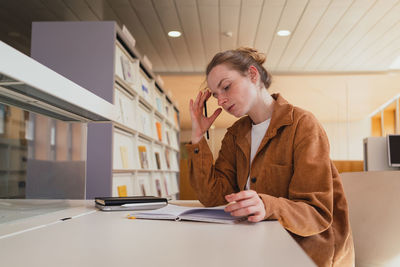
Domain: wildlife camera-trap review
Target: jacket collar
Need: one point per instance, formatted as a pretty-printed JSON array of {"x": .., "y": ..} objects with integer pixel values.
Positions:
[{"x": 281, "y": 116}]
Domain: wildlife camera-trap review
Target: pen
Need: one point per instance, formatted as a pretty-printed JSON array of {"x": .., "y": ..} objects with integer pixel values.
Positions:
[{"x": 205, "y": 114}]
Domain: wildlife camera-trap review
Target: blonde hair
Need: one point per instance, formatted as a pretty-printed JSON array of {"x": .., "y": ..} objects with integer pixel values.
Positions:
[{"x": 241, "y": 59}]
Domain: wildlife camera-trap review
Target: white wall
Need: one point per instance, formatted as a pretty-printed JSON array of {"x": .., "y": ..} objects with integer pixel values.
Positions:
[{"x": 346, "y": 139}]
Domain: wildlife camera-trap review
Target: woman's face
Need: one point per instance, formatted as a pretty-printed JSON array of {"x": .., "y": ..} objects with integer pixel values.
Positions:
[{"x": 235, "y": 93}]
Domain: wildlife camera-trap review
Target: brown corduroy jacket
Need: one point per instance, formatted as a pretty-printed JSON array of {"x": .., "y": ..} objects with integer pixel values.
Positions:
[{"x": 292, "y": 173}]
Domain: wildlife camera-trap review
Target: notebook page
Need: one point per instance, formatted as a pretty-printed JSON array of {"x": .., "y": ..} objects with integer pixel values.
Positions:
[{"x": 169, "y": 212}]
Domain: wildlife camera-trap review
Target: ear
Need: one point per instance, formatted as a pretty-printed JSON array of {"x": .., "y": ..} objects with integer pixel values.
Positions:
[{"x": 253, "y": 74}]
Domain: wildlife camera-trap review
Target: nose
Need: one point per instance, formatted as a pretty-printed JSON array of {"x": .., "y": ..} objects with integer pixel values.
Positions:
[{"x": 222, "y": 100}]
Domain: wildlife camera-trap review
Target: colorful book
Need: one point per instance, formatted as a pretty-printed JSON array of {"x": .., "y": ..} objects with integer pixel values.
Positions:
[
  {"x": 167, "y": 158},
  {"x": 158, "y": 162},
  {"x": 159, "y": 104},
  {"x": 176, "y": 119},
  {"x": 145, "y": 89},
  {"x": 142, "y": 187},
  {"x": 166, "y": 111},
  {"x": 158, "y": 187},
  {"x": 121, "y": 108},
  {"x": 122, "y": 191},
  {"x": 144, "y": 164},
  {"x": 168, "y": 140},
  {"x": 166, "y": 186},
  {"x": 124, "y": 157},
  {"x": 159, "y": 131}
]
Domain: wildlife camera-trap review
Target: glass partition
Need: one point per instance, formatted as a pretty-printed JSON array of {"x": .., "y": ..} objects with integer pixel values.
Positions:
[{"x": 41, "y": 157}]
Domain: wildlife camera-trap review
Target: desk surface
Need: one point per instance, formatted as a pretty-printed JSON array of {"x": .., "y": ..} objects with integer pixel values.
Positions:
[{"x": 108, "y": 239}]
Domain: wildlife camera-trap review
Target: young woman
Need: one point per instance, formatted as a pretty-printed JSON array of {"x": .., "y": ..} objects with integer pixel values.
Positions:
[{"x": 274, "y": 161}]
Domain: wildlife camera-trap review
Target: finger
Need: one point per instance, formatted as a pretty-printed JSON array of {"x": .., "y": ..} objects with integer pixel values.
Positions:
[
  {"x": 241, "y": 204},
  {"x": 214, "y": 116},
  {"x": 204, "y": 98},
  {"x": 207, "y": 95},
  {"x": 240, "y": 196},
  {"x": 197, "y": 101},
  {"x": 246, "y": 211},
  {"x": 191, "y": 108},
  {"x": 255, "y": 218}
]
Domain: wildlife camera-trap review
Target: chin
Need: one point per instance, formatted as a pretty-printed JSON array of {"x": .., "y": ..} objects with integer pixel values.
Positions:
[{"x": 237, "y": 114}]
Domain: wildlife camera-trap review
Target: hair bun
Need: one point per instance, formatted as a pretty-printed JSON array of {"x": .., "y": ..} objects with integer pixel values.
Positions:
[
  {"x": 260, "y": 58},
  {"x": 240, "y": 60}
]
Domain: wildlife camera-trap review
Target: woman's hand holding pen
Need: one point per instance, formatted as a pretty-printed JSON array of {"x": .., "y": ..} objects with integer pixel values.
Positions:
[
  {"x": 246, "y": 203},
  {"x": 200, "y": 123}
]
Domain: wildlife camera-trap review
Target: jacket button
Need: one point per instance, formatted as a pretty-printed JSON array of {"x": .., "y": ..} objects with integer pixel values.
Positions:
[
  {"x": 253, "y": 180},
  {"x": 196, "y": 150}
]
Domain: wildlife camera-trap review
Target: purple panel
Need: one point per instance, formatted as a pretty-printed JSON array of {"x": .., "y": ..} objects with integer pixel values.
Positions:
[
  {"x": 84, "y": 53},
  {"x": 99, "y": 160},
  {"x": 81, "y": 51}
]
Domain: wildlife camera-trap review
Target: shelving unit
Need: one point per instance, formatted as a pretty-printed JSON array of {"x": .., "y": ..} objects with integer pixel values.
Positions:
[
  {"x": 387, "y": 119},
  {"x": 121, "y": 153}
]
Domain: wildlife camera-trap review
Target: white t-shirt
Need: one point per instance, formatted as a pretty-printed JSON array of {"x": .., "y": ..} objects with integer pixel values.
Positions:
[{"x": 257, "y": 134}]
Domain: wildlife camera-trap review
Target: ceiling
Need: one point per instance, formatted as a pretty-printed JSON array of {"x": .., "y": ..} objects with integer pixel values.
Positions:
[
  {"x": 350, "y": 44},
  {"x": 327, "y": 35}
]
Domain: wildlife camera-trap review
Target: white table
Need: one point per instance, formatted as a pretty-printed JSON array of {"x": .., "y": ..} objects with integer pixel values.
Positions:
[{"x": 95, "y": 238}]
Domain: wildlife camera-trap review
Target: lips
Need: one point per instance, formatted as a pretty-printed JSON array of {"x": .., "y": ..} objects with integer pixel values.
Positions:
[{"x": 230, "y": 108}]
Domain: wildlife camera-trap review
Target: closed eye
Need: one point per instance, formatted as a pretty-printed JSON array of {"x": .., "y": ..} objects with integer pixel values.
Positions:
[{"x": 227, "y": 87}]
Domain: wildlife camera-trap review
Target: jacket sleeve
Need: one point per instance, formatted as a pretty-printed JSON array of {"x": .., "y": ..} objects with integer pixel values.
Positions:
[
  {"x": 309, "y": 207},
  {"x": 212, "y": 182}
]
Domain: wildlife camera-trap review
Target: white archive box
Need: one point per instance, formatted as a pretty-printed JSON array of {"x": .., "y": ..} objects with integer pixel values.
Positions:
[
  {"x": 144, "y": 152},
  {"x": 158, "y": 132},
  {"x": 170, "y": 184},
  {"x": 124, "y": 179},
  {"x": 158, "y": 100},
  {"x": 175, "y": 161},
  {"x": 169, "y": 112},
  {"x": 125, "y": 104},
  {"x": 159, "y": 157},
  {"x": 145, "y": 184},
  {"x": 127, "y": 68},
  {"x": 118, "y": 62},
  {"x": 171, "y": 136},
  {"x": 124, "y": 151},
  {"x": 158, "y": 185},
  {"x": 144, "y": 120},
  {"x": 146, "y": 88},
  {"x": 174, "y": 139}
]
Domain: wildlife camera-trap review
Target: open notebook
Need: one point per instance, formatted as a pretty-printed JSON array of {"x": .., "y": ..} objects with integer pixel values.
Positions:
[{"x": 177, "y": 213}]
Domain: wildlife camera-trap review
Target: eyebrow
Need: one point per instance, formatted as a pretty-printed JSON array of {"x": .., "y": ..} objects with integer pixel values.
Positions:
[{"x": 219, "y": 84}]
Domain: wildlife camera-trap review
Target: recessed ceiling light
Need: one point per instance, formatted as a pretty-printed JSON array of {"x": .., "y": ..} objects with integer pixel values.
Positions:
[
  {"x": 283, "y": 33},
  {"x": 174, "y": 34}
]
